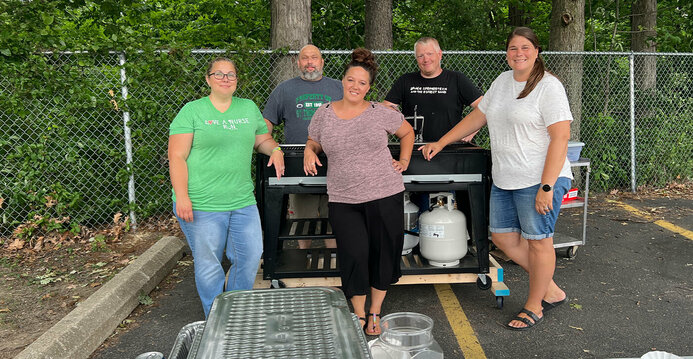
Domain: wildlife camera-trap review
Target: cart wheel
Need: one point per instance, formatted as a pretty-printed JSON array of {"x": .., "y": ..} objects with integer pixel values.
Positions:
[
  {"x": 499, "y": 302},
  {"x": 276, "y": 283},
  {"x": 481, "y": 284},
  {"x": 571, "y": 252}
]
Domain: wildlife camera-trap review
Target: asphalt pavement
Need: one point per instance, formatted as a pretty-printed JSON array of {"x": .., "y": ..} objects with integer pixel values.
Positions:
[{"x": 630, "y": 291}]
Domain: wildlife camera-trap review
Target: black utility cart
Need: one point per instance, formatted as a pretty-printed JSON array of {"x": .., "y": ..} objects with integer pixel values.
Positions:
[{"x": 460, "y": 167}]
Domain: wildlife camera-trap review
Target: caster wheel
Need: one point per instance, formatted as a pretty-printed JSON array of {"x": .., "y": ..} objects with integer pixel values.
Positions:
[
  {"x": 277, "y": 284},
  {"x": 571, "y": 252},
  {"x": 499, "y": 302},
  {"x": 481, "y": 284}
]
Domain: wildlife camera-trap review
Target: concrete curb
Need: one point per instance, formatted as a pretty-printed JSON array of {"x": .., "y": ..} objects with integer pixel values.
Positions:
[{"x": 81, "y": 332}]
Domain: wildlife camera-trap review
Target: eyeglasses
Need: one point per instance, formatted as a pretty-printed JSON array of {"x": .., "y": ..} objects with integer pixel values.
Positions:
[{"x": 220, "y": 75}]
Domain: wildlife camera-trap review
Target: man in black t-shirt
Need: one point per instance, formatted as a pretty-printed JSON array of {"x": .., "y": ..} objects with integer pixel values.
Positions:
[{"x": 436, "y": 97}]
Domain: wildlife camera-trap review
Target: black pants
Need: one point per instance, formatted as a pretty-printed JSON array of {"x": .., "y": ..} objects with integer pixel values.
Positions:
[{"x": 369, "y": 237}]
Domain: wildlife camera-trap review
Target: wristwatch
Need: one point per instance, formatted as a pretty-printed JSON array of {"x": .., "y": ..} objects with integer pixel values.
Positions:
[{"x": 546, "y": 188}]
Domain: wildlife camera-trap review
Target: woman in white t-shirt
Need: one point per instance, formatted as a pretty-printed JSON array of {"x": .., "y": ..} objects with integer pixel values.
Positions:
[{"x": 528, "y": 116}]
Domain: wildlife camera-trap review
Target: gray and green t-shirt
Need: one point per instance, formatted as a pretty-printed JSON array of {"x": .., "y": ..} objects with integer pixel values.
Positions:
[
  {"x": 219, "y": 162},
  {"x": 294, "y": 102}
]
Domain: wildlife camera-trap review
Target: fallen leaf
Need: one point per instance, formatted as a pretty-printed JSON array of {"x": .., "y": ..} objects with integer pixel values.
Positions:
[
  {"x": 576, "y": 306},
  {"x": 46, "y": 296},
  {"x": 50, "y": 202},
  {"x": 4, "y": 310},
  {"x": 39, "y": 244},
  {"x": 16, "y": 245},
  {"x": 578, "y": 328},
  {"x": 95, "y": 284}
]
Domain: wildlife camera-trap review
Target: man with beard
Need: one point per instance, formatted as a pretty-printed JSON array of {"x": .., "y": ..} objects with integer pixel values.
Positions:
[{"x": 293, "y": 102}]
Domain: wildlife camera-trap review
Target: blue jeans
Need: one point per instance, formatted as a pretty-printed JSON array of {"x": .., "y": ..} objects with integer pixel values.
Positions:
[
  {"x": 513, "y": 211},
  {"x": 210, "y": 233}
]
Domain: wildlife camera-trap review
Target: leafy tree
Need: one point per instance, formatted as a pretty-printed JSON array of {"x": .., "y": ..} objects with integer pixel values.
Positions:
[{"x": 338, "y": 24}]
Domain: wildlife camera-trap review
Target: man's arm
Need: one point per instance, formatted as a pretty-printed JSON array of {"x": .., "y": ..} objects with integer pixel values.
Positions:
[
  {"x": 391, "y": 105},
  {"x": 474, "y": 106},
  {"x": 476, "y": 102},
  {"x": 270, "y": 126}
]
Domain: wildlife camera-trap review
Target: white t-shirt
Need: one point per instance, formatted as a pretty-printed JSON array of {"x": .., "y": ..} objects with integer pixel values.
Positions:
[{"x": 518, "y": 128}]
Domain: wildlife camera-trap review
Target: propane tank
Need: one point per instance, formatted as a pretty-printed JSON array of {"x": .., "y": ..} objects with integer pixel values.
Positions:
[
  {"x": 411, "y": 222},
  {"x": 443, "y": 232}
]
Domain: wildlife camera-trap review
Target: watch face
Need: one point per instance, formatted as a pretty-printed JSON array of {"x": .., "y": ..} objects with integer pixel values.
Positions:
[{"x": 546, "y": 188}]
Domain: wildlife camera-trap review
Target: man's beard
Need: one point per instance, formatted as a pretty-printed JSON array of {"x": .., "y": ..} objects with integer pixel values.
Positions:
[{"x": 311, "y": 76}]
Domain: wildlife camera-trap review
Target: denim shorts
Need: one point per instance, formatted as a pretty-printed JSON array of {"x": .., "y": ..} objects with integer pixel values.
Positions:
[{"x": 513, "y": 211}]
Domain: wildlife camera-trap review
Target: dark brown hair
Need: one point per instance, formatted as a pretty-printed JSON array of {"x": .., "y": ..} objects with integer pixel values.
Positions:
[
  {"x": 539, "y": 67},
  {"x": 363, "y": 58},
  {"x": 218, "y": 59}
]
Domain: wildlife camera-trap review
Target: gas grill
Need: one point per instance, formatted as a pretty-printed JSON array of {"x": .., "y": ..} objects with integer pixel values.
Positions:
[{"x": 460, "y": 167}]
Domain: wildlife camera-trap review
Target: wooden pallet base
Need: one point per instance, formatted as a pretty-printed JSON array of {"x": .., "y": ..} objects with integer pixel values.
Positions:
[{"x": 495, "y": 273}]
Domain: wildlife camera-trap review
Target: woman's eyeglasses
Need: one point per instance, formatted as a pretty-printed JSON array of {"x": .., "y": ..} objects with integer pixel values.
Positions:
[{"x": 220, "y": 75}]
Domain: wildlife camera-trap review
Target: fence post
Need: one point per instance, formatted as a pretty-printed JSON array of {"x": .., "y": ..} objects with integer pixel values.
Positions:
[
  {"x": 631, "y": 61},
  {"x": 128, "y": 143}
]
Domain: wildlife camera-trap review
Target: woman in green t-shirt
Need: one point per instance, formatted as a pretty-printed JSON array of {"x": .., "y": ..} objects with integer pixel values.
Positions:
[{"x": 211, "y": 144}]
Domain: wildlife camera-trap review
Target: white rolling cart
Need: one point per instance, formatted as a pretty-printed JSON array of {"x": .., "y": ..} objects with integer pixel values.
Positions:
[{"x": 565, "y": 241}]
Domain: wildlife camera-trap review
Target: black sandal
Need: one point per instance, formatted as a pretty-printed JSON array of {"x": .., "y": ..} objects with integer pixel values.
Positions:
[
  {"x": 363, "y": 327},
  {"x": 546, "y": 306},
  {"x": 376, "y": 324},
  {"x": 529, "y": 323}
]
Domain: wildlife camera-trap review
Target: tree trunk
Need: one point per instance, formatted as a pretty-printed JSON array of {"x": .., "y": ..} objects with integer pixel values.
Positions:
[
  {"x": 568, "y": 34},
  {"x": 517, "y": 16},
  {"x": 378, "y": 32},
  {"x": 291, "y": 29},
  {"x": 643, "y": 25}
]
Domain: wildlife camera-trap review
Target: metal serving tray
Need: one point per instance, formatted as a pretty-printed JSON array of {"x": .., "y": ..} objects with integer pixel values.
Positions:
[{"x": 292, "y": 323}]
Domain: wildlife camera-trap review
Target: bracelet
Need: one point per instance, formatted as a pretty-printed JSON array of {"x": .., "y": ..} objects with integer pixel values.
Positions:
[{"x": 277, "y": 149}]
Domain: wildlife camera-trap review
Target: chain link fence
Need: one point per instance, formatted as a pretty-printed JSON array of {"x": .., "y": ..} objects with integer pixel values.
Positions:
[{"x": 84, "y": 136}]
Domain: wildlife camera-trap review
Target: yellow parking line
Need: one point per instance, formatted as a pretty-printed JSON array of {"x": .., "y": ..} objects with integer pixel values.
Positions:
[
  {"x": 467, "y": 340},
  {"x": 664, "y": 224}
]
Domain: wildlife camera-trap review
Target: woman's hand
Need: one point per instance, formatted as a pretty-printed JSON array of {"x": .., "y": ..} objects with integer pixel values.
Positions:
[
  {"x": 429, "y": 150},
  {"x": 310, "y": 160},
  {"x": 400, "y": 166},
  {"x": 277, "y": 159},
  {"x": 184, "y": 209},
  {"x": 543, "y": 203}
]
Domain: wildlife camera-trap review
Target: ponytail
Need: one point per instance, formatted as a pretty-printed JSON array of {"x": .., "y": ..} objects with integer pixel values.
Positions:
[
  {"x": 534, "y": 77},
  {"x": 539, "y": 68}
]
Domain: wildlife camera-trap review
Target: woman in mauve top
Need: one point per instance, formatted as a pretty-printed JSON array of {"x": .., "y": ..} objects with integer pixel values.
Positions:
[{"x": 364, "y": 186}]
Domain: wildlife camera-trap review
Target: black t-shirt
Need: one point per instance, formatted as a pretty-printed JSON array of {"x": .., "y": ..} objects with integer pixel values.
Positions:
[{"x": 439, "y": 100}]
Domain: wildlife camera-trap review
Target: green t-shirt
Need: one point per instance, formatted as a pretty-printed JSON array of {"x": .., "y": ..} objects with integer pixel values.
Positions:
[{"x": 219, "y": 177}]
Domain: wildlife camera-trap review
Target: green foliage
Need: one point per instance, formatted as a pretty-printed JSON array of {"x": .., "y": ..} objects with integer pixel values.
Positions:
[
  {"x": 62, "y": 114},
  {"x": 98, "y": 243},
  {"x": 145, "y": 299},
  {"x": 338, "y": 24},
  {"x": 465, "y": 24},
  {"x": 610, "y": 159}
]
